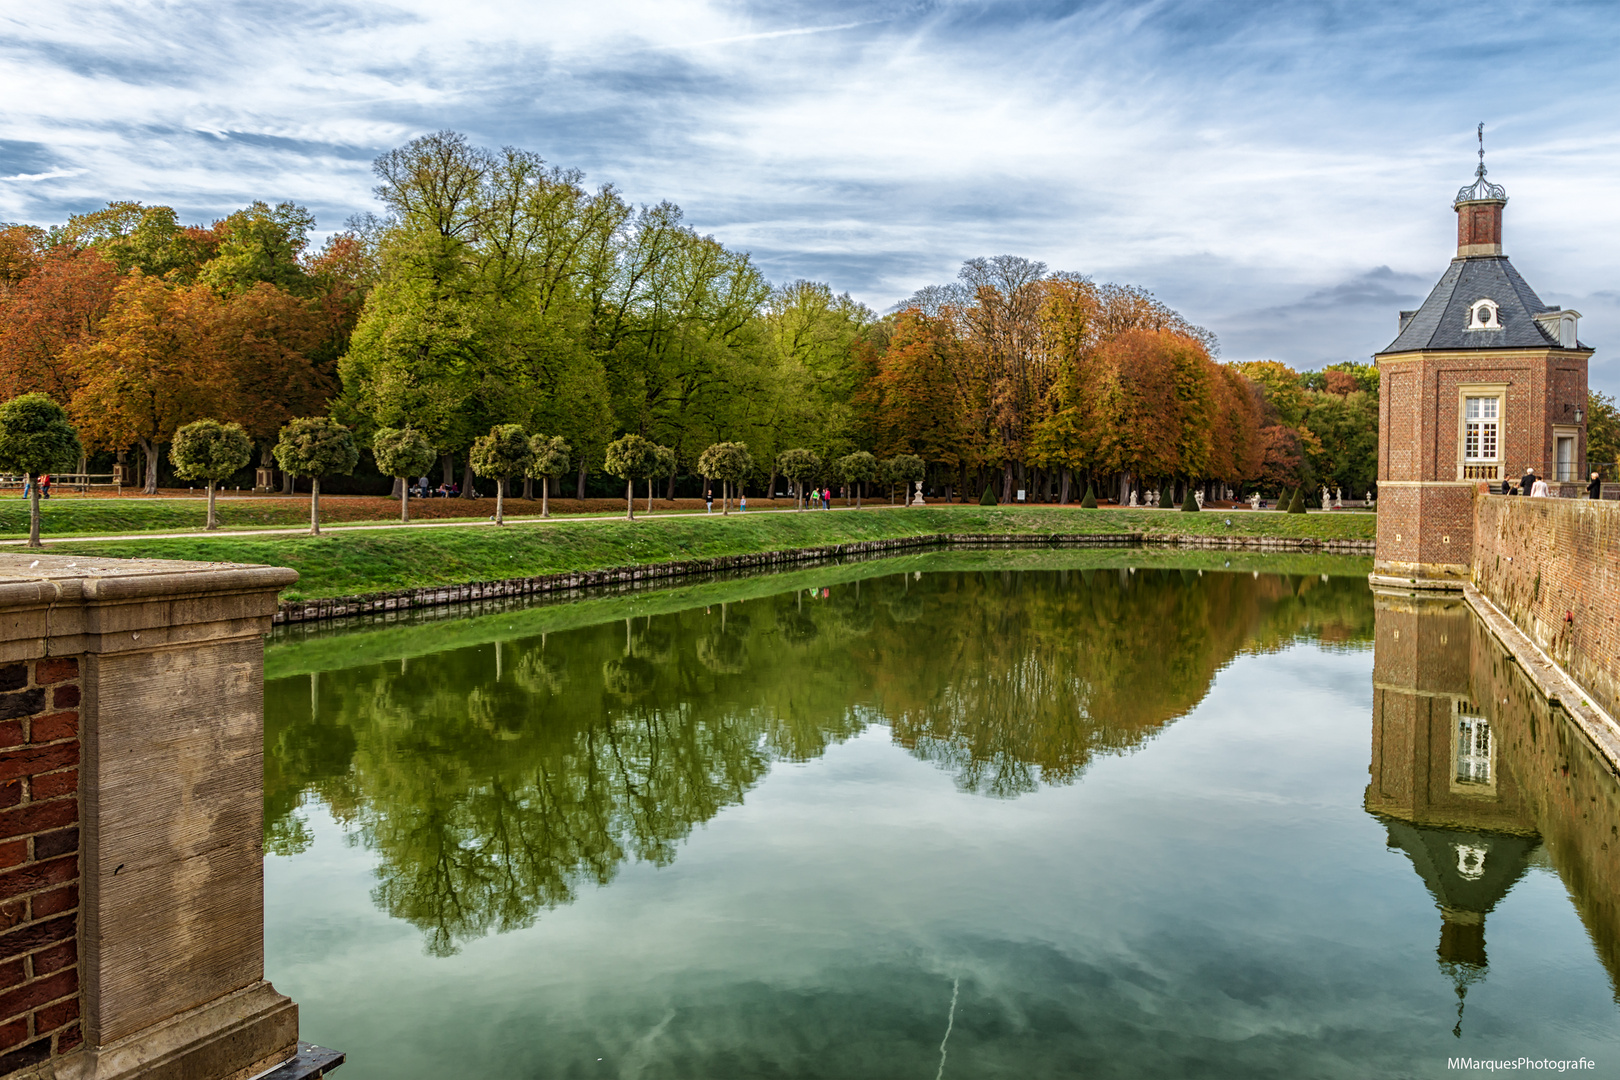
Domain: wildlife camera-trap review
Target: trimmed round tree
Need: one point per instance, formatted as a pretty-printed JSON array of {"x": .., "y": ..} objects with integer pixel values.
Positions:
[
  {"x": 36, "y": 438},
  {"x": 499, "y": 456},
  {"x": 403, "y": 453},
  {"x": 800, "y": 466},
  {"x": 728, "y": 462},
  {"x": 906, "y": 470},
  {"x": 1190, "y": 501},
  {"x": 549, "y": 458},
  {"x": 316, "y": 446},
  {"x": 858, "y": 469},
  {"x": 630, "y": 458},
  {"x": 212, "y": 451}
]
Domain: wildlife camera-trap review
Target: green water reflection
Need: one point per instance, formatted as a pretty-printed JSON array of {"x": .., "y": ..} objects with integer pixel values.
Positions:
[{"x": 1040, "y": 814}]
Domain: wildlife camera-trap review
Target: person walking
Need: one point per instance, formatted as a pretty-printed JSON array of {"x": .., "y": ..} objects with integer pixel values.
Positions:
[
  {"x": 826, "y": 498},
  {"x": 742, "y": 503},
  {"x": 1594, "y": 488},
  {"x": 708, "y": 500},
  {"x": 45, "y": 486}
]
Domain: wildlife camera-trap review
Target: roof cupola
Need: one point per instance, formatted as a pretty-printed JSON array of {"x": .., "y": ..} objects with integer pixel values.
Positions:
[{"x": 1479, "y": 212}]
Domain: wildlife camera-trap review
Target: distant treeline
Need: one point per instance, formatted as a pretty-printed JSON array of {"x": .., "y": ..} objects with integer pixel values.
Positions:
[{"x": 497, "y": 289}]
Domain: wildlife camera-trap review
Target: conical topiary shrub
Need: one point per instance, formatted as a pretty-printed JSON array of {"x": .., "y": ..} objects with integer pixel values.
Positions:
[
  {"x": 989, "y": 496},
  {"x": 1090, "y": 501},
  {"x": 1190, "y": 502},
  {"x": 1297, "y": 506}
]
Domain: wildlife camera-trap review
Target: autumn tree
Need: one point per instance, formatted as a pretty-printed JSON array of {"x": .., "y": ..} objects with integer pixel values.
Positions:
[
  {"x": 212, "y": 451},
  {"x": 402, "y": 453},
  {"x": 150, "y": 371},
  {"x": 36, "y": 438},
  {"x": 47, "y": 315},
  {"x": 316, "y": 446}
]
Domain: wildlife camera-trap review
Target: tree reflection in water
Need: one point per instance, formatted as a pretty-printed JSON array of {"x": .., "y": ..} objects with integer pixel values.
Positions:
[{"x": 494, "y": 782}]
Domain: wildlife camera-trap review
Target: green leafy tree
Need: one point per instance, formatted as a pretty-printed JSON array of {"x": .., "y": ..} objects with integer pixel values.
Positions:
[
  {"x": 36, "y": 438},
  {"x": 800, "y": 466},
  {"x": 906, "y": 470},
  {"x": 212, "y": 451},
  {"x": 631, "y": 458},
  {"x": 316, "y": 446},
  {"x": 858, "y": 470},
  {"x": 1090, "y": 500},
  {"x": 500, "y": 455},
  {"x": 1602, "y": 429},
  {"x": 403, "y": 453},
  {"x": 549, "y": 458},
  {"x": 730, "y": 463},
  {"x": 989, "y": 496}
]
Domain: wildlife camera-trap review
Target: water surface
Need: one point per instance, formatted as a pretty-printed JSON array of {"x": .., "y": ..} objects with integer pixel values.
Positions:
[{"x": 971, "y": 815}]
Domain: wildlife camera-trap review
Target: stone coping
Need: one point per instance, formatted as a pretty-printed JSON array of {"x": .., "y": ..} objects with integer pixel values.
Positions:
[{"x": 56, "y": 579}]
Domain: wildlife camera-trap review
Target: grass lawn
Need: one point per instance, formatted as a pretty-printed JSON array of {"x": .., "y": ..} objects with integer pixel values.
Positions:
[{"x": 347, "y": 563}]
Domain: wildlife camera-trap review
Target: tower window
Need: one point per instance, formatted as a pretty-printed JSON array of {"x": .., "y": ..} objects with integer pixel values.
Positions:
[
  {"x": 1483, "y": 315},
  {"x": 1481, "y": 437}
]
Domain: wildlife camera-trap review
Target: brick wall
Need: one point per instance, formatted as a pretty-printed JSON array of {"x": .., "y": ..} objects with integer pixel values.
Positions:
[
  {"x": 1553, "y": 566},
  {"x": 39, "y": 861}
]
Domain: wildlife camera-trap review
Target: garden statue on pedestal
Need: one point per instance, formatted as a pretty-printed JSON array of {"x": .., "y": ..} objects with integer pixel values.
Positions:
[
  {"x": 1199, "y": 495},
  {"x": 1133, "y": 496},
  {"x": 917, "y": 500},
  {"x": 1254, "y": 501}
]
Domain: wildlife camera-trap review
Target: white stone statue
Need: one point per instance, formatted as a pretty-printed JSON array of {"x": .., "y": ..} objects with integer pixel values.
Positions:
[
  {"x": 1254, "y": 501},
  {"x": 1133, "y": 496},
  {"x": 1327, "y": 502},
  {"x": 1198, "y": 497},
  {"x": 1338, "y": 498},
  {"x": 917, "y": 500}
]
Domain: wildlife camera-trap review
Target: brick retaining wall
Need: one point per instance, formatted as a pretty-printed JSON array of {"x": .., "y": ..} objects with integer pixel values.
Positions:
[
  {"x": 39, "y": 851},
  {"x": 299, "y": 611},
  {"x": 1553, "y": 567}
]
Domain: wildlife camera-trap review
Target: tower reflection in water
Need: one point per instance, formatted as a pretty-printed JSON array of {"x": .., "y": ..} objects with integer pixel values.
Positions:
[{"x": 1476, "y": 777}]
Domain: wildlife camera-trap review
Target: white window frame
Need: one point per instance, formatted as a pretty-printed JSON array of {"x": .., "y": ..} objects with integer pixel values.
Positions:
[
  {"x": 1473, "y": 750},
  {"x": 1480, "y": 467},
  {"x": 1574, "y": 435},
  {"x": 1484, "y": 314}
]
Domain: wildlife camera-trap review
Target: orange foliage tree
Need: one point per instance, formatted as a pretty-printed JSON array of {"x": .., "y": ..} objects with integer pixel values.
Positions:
[{"x": 46, "y": 315}]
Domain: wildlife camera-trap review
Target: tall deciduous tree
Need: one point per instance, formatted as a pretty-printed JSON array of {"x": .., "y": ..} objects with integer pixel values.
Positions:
[
  {"x": 151, "y": 371},
  {"x": 316, "y": 446},
  {"x": 212, "y": 451},
  {"x": 36, "y": 438},
  {"x": 730, "y": 463},
  {"x": 47, "y": 315}
]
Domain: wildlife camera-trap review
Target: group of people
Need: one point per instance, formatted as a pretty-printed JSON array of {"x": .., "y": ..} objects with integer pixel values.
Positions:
[
  {"x": 44, "y": 486},
  {"x": 1536, "y": 488},
  {"x": 422, "y": 489}
]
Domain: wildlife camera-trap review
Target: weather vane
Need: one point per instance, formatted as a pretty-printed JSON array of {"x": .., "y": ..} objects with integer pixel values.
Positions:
[{"x": 1481, "y": 134}]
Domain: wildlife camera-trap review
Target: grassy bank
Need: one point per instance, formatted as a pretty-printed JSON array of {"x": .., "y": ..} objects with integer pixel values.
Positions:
[
  {"x": 352, "y": 563},
  {"x": 304, "y": 647}
]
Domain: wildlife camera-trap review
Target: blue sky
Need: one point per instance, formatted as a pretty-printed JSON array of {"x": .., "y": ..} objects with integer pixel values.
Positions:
[{"x": 1281, "y": 173}]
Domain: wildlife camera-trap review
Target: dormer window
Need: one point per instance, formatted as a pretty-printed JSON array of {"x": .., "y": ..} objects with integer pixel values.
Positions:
[
  {"x": 1482, "y": 315},
  {"x": 1562, "y": 326}
]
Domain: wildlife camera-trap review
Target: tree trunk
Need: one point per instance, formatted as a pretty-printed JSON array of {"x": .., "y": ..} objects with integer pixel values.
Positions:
[
  {"x": 1063, "y": 489},
  {"x": 314, "y": 506},
  {"x": 213, "y": 522},
  {"x": 467, "y": 481},
  {"x": 500, "y": 500},
  {"x": 670, "y": 488},
  {"x": 149, "y": 452},
  {"x": 649, "y": 494},
  {"x": 33, "y": 510},
  {"x": 630, "y": 499},
  {"x": 581, "y": 495},
  {"x": 405, "y": 504},
  {"x": 448, "y": 463},
  {"x": 771, "y": 491},
  {"x": 528, "y": 488},
  {"x": 399, "y": 487},
  {"x": 725, "y": 497},
  {"x": 287, "y": 479},
  {"x": 858, "y": 486},
  {"x": 545, "y": 496},
  {"x": 1006, "y": 483}
]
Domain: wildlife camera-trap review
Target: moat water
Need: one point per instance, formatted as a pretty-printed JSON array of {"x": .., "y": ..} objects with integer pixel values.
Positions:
[{"x": 1022, "y": 815}]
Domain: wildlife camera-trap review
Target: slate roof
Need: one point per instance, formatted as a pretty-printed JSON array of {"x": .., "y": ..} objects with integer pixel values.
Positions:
[{"x": 1441, "y": 323}]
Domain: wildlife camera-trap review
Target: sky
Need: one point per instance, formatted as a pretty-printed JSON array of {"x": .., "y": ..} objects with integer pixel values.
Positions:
[{"x": 1280, "y": 173}]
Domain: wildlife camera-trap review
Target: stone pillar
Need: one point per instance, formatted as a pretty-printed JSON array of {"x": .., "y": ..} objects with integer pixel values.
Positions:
[{"x": 131, "y": 837}]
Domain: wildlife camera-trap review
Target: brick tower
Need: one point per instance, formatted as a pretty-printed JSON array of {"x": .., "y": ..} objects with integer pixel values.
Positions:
[{"x": 1481, "y": 383}]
